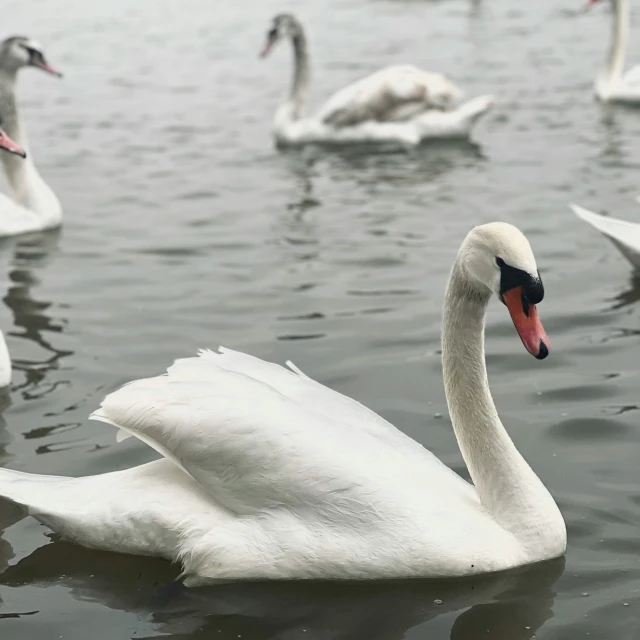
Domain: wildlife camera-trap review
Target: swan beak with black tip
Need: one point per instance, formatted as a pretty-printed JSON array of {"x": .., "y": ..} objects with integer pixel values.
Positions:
[
  {"x": 527, "y": 322},
  {"x": 38, "y": 60},
  {"x": 521, "y": 291},
  {"x": 272, "y": 38},
  {"x": 9, "y": 145}
]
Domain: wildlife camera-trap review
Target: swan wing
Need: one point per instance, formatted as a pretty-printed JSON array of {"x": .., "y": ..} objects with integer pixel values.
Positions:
[
  {"x": 624, "y": 235},
  {"x": 394, "y": 93},
  {"x": 257, "y": 437}
]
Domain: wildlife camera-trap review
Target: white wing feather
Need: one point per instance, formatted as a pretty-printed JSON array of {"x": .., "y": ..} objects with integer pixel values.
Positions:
[
  {"x": 394, "y": 93},
  {"x": 255, "y": 445},
  {"x": 624, "y": 235}
]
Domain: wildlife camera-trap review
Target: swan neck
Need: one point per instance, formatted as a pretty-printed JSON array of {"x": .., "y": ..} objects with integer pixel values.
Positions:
[
  {"x": 301, "y": 73},
  {"x": 614, "y": 63},
  {"x": 28, "y": 187},
  {"x": 506, "y": 485},
  {"x": 11, "y": 122}
]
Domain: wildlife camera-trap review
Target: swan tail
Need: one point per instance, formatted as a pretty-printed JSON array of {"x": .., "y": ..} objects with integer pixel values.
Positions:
[
  {"x": 144, "y": 510},
  {"x": 471, "y": 111},
  {"x": 624, "y": 235},
  {"x": 456, "y": 123},
  {"x": 43, "y": 496}
]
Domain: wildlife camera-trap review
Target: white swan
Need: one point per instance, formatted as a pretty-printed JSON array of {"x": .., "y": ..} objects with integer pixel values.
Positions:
[
  {"x": 396, "y": 104},
  {"x": 34, "y": 206},
  {"x": 267, "y": 474},
  {"x": 7, "y": 144},
  {"x": 624, "y": 235},
  {"x": 612, "y": 84}
]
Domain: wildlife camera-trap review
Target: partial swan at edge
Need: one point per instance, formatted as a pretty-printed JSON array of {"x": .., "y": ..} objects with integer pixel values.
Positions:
[
  {"x": 624, "y": 235},
  {"x": 33, "y": 205},
  {"x": 612, "y": 83}
]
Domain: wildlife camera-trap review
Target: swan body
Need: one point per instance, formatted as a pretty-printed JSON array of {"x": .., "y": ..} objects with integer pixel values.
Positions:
[
  {"x": 624, "y": 235},
  {"x": 432, "y": 124},
  {"x": 268, "y": 474},
  {"x": 33, "y": 206},
  {"x": 401, "y": 103},
  {"x": 612, "y": 83},
  {"x": 395, "y": 93}
]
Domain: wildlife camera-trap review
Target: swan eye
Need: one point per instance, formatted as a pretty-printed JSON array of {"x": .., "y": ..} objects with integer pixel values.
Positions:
[{"x": 500, "y": 262}]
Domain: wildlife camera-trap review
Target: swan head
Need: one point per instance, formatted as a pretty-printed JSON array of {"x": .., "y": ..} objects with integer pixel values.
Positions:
[
  {"x": 284, "y": 25},
  {"x": 497, "y": 258},
  {"x": 19, "y": 51},
  {"x": 9, "y": 145}
]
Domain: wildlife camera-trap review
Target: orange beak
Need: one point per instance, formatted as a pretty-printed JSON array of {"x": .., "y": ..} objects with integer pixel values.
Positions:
[{"x": 527, "y": 323}]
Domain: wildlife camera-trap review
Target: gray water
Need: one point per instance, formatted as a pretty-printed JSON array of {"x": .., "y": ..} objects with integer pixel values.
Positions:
[{"x": 186, "y": 228}]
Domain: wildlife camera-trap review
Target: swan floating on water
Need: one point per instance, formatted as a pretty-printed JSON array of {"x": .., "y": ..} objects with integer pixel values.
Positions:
[
  {"x": 268, "y": 474},
  {"x": 397, "y": 104},
  {"x": 624, "y": 235},
  {"x": 7, "y": 144},
  {"x": 33, "y": 205},
  {"x": 612, "y": 83}
]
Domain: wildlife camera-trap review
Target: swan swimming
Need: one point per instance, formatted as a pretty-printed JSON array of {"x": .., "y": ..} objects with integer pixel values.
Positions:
[
  {"x": 8, "y": 145},
  {"x": 397, "y": 104},
  {"x": 33, "y": 205},
  {"x": 612, "y": 83},
  {"x": 268, "y": 474}
]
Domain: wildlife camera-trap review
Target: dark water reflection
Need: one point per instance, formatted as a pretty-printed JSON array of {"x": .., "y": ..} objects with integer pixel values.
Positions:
[{"x": 513, "y": 605}]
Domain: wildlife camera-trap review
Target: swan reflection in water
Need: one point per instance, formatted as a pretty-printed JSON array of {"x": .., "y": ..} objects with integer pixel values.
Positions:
[
  {"x": 357, "y": 164},
  {"x": 32, "y": 254},
  {"x": 630, "y": 296},
  {"x": 29, "y": 255},
  {"x": 512, "y": 605}
]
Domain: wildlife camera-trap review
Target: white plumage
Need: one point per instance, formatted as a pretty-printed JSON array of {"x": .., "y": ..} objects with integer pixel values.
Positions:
[
  {"x": 400, "y": 103},
  {"x": 612, "y": 83},
  {"x": 624, "y": 235},
  {"x": 33, "y": 206},
  {"x": 392, "y": 94},
  {"x": 268, "y": 474}
]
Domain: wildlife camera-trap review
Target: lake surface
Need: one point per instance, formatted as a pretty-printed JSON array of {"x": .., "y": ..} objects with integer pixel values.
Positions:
[{"x": 185, "y": 228}]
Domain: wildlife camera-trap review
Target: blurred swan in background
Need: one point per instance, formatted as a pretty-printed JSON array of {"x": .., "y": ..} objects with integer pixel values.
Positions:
[
  {"x": 399, "y": 103},
  {"x": 33, "y": 205},
  {"x": 624, "y": 235},
  {"x": 612, "y": 83}
]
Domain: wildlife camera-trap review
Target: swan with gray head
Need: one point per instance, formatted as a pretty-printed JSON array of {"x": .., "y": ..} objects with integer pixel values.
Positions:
[
  {"x": 268, "y": 474},
  {"x": 397, "y": 104},
  {"x": 33, "y": 206}
]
